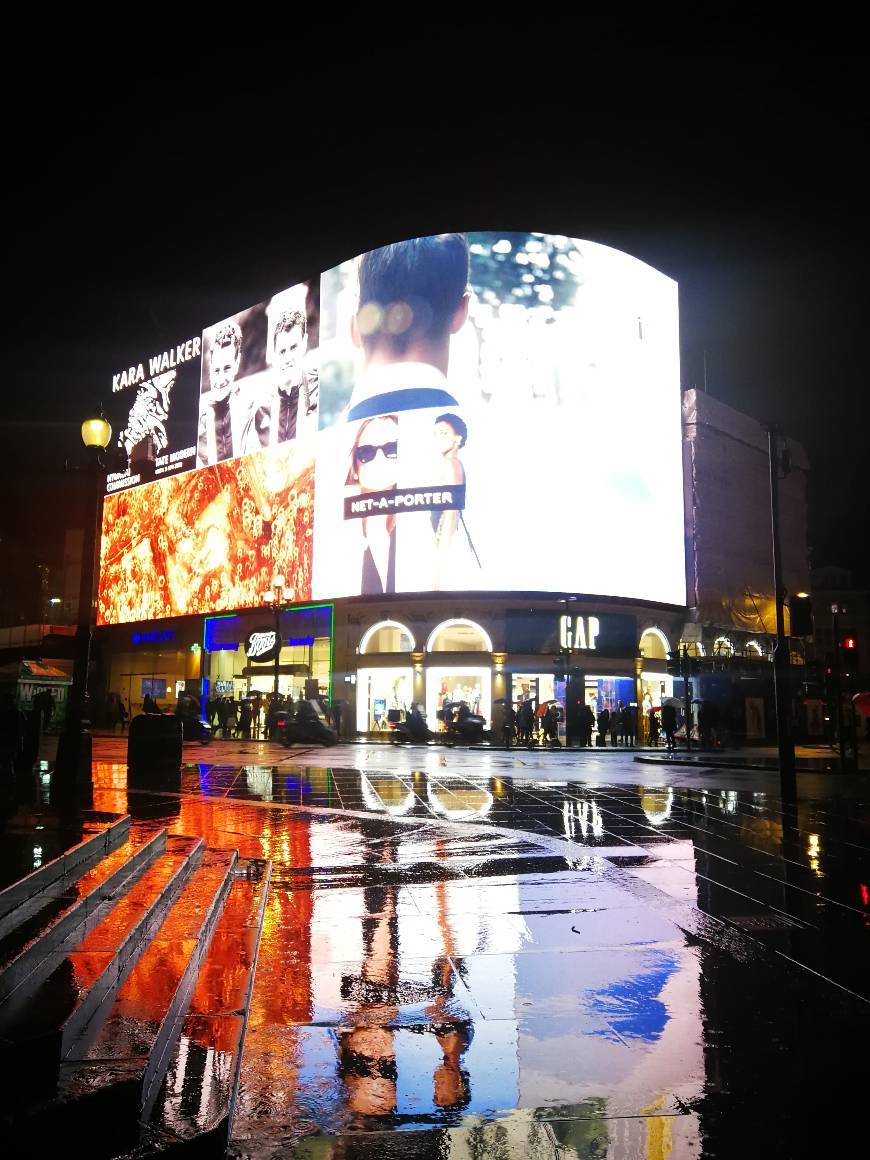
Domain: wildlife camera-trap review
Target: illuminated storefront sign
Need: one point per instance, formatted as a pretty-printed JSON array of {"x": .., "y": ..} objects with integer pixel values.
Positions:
[
  {"x": 156, "y": 636},
  {"x": 262, "y": 645},
  {"x": 579, "y": 632},
  {"x": 345, "y": 434},
  {"x": 609, "y": 634}
]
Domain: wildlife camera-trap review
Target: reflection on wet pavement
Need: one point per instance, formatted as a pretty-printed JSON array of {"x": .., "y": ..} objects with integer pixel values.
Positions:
[{"x": 461, "y": 966}]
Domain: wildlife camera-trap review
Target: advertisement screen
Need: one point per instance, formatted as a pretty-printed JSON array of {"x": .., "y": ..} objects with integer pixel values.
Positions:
[
  {"x": 153, "y": 418},
  {"x": 463, "y": 412}
]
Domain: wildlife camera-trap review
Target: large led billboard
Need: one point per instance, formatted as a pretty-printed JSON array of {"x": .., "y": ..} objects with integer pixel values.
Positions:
[{"x": 477, "y": 412}]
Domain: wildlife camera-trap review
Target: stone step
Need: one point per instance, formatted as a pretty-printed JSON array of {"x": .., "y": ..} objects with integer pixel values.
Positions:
[
  {"x": 113, "y": 1071},
  {"x": 65, "y": 909},
  {"x": 102, "y": 835},
  {"x": 194, "y": 1106},
  {"x": 40, "y": 1023}
]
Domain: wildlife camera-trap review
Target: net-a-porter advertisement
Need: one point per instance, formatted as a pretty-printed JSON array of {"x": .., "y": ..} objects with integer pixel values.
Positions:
[{"x": 461, "y": 412}]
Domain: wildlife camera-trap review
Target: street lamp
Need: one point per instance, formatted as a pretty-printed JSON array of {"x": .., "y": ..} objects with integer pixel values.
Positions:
[
  {"x": 73, "y": 762},
  {"x": 274, "y": 599}
]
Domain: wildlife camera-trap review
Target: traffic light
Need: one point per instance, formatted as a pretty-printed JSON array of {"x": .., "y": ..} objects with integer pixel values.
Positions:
[
  {"x": 801, "y": 609},
  {"x": 850, "y": 657},
  {"x": 675, "y": 667}
]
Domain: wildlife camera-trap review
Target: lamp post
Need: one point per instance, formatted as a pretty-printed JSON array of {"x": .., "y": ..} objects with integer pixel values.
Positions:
[
  {"x": 274, "y": 598},
  {"x": 73, "y": 762},
  {"x": 781, "y": 662},
  {"x": 836, "y": 609}
]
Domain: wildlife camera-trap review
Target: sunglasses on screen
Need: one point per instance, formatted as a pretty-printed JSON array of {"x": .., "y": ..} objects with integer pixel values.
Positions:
[{"x": 366, "y": 452}]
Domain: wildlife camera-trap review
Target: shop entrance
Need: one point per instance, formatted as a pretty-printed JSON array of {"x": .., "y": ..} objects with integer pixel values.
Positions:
[
  {"x": 471, "y": 685},
  {"x": 536, "y": 687},
  {"x": 379, "y": 693},
  {"x": 537, "y": 690}
]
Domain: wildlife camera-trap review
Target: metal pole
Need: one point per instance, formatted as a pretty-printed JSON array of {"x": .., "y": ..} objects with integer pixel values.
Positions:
[
  {"x": 781, "y": 665},
  {"x": 73, "y": 762},
  {"x": 276, "y": 608},
  {"x": 687, "y": 697},
  {"x": 838, "y": 687}
]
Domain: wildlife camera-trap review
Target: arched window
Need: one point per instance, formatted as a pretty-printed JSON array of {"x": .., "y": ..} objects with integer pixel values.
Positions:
[
  {"x": 752, "y": 646},
  {"x": 654, "y": 645},
  {"x": 722, "y": 647},
  {"x": 459, "y": 636},
  {"x": 693, "y": 648},
  {"x": 387, "y": 636}
]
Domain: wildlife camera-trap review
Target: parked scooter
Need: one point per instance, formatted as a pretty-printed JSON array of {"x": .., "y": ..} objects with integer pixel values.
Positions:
[
  {"x": 305, "y": 725},
  {"x": 412, "y": 729},
  {"x": 192, "y": 727},
  {"x": 462, "y": 725}
]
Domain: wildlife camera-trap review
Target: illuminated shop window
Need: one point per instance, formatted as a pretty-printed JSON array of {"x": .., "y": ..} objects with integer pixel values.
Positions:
[
  {"x": 459, "y": 636},
  {"x": 654, "y": 645},
  {"x": 753, "y": 647},
  {"x": 387, "y": 636},
  {"x": 722, "y": 647}
]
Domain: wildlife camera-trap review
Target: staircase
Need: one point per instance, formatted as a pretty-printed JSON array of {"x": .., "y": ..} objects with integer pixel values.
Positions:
[{"x": 126, "y": 969}]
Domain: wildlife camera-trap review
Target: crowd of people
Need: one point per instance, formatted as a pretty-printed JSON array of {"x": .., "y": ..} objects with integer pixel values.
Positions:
[{"x": 253, "y": 717}]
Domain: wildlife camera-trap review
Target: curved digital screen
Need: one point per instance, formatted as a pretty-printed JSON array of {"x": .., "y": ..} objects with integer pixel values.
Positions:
[{"x": 463, "y": 412}]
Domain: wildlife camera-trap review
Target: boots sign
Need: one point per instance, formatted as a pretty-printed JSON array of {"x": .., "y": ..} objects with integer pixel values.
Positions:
[{"x": 262, "y": 645}]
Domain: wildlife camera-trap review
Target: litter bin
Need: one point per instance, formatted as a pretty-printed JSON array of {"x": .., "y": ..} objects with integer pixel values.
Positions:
[{"x": 154, "y": 749}]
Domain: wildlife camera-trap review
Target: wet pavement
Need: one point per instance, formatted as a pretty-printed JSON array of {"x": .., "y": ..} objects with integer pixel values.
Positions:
[{"x": 492, "y": 955}]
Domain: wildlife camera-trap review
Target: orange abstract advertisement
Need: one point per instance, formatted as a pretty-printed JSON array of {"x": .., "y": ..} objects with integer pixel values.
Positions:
[{"x": 209, "y": 540}]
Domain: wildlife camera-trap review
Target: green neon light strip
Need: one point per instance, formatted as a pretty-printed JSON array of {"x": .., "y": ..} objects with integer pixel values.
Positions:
[{"x": 331, "y": 640}]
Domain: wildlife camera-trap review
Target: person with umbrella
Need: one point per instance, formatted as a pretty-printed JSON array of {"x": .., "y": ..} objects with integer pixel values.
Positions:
[{"x": 669, "y": 723}]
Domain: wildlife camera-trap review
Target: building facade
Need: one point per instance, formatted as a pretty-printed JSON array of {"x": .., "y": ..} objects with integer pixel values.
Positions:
[{"x": 379, "y": 655}]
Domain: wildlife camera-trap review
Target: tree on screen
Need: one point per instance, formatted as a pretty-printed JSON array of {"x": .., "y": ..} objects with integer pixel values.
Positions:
[{"x": 537, "y": 271}]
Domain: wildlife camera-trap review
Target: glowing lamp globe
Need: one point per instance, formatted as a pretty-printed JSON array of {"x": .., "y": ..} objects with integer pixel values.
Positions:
[{"x": 96, "y": 432}]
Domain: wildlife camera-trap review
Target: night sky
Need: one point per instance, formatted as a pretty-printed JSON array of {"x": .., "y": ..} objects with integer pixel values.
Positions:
[{"x": 148, "y": 203}]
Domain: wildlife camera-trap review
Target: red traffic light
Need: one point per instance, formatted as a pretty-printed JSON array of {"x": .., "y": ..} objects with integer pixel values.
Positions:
[{"x": 849, "y": 642}]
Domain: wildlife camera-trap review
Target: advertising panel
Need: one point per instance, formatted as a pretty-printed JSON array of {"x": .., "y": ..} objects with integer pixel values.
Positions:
[
  {"x": 152, "y": 411},
  {"x": 464, "y": 412},
  {"x": 259, "y": 379},
  {"x": 209, "y": 540},
  {"x": 499, "y": 412}
]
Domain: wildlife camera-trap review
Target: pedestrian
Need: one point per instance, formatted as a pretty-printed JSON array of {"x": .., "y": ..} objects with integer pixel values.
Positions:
[
  {"x": 245, "y": 720},
  {"x": 614, "y": 725},
  {"x": 623, "y": 724},
  {"x": 587, "y": 725},
  {"x": 223, "y": 714},
  {"x": 653, "y": 728},
  {"x": 669, "y": 725},
  {"x": 43, "y": 703},
  {"x": 122, "y": 715},
  {"x": 631, "y": 724},
  {"x": 550, "y": 725},
  {"x": 232, "y": 720},
  {"x": 336, "y": 716},
  {"x": 603, "y": 726},
  {"x": 525, "y": 722}
]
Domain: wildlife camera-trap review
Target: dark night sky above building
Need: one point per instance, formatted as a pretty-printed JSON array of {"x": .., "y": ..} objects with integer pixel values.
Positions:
[{"x": 145, "y": 207}]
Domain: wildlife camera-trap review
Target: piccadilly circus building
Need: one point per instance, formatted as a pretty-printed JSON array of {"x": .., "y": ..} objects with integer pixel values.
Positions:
[{"x": 457, "y": 468}]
